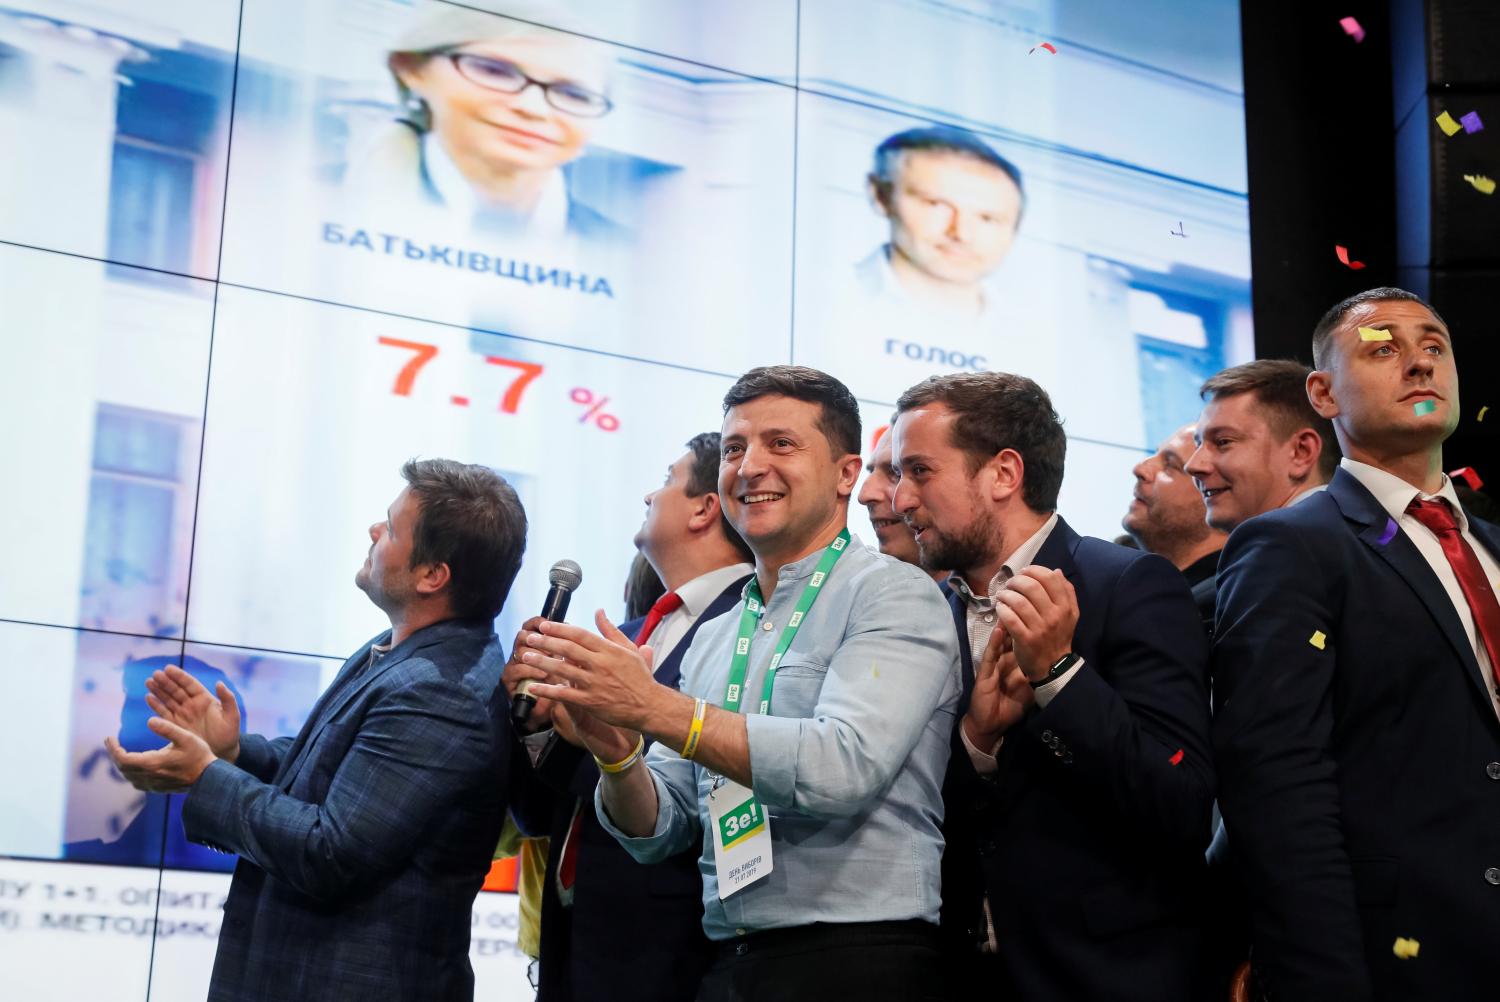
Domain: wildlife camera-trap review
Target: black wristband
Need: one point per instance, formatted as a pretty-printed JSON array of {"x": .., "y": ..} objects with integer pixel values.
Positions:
[{"x": 1062, "y": 667}]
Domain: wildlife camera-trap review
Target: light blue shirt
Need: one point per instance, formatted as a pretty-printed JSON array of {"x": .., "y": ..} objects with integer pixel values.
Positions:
[{"x": 849, "y": 762}]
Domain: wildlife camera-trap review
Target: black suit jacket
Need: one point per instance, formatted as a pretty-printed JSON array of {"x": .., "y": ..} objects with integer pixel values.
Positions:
[
  {"x": 1359, "y": 782},
  {"x": 633, "y": 932},
  {"x": 1089, "y": 840}
]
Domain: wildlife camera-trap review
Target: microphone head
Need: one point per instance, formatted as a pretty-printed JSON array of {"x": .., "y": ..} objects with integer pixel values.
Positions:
[{"x": 565, "y": 574}]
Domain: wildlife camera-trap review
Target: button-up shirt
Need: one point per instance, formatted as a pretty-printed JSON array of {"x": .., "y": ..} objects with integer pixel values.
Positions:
[
  {"x": 849, "y": 762},
  {"x": 1395, "y": 495}
]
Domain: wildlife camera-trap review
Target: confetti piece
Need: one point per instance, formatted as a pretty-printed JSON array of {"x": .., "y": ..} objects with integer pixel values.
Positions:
[
  {"x": 1317, "y": 639},
  {"x": 1481, "y": 412},
  {"x": 1343, "y": 253},
  {"x": 1468, "y": 476},
  {"x": 1176, "y": 758},
  {"x": 1390, "y": 531},
  {"x": 1482, "y": 184},
  {"x": 1352, "y": 29},
  {"x": 1423, "y": 407},
  {"x": 1447, "y": 124},
  {"x": 1405, "y": 948},
  {"x": 1045, "y": 45},
  {"x": 1471, "y": 122},
  {"x": 1373, "y": 334}
]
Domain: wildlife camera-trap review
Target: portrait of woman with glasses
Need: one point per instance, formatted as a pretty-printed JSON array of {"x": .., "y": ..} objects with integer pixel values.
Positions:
[{"x": 492, "y": 111}]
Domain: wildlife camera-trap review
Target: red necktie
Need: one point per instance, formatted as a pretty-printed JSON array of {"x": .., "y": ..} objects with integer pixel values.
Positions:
[
  {"x": 663, "y": 607},
  {"x": 1438, "y": 517},
  {"x": 567, "y": 867}
]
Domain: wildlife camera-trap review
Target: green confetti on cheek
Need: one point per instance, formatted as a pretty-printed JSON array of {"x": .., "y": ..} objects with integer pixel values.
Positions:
[{"x": 1422, "y": 407}]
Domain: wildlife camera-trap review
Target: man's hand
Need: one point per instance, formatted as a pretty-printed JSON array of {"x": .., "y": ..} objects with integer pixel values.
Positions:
[
  {"x": 604, "y": 681},
  {"x": 166, "y": 770},
  {"x": 1039, "y": 610},
  {"x": 1001, "y": 695},
  {"x": 178, "y": 697},
  {"x": 516, "y": 671}
]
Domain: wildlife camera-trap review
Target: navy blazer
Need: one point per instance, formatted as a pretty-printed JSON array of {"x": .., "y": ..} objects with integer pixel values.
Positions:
[
  {"x": 1089, "y": 838},
  {"x": 1360, "y": 781},
  {"x": 634, "y": 932},
  {"x": 364, "y": 840}
]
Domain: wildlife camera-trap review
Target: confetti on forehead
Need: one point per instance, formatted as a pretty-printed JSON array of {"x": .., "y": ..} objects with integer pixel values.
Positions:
[{"x": 1373, "y": 334}]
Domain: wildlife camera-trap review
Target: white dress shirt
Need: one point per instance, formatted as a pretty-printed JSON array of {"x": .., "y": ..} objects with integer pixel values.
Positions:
[
  {"x": 980, "y": 621},
  {"x": 1394, "y": 495}
]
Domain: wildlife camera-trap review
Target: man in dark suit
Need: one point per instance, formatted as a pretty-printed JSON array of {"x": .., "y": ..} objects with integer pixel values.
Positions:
[
  {"x": 1167, "y": 517},
  {"x": 613, "y": 928},
  {"x": 364, "y": 840},
  {"x": 1078, "y": 795},
  {"x": 1356, "y": 734}
]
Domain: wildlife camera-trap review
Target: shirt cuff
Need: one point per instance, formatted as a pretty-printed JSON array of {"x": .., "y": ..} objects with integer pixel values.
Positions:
[
  {"x": 538, "y": 744},
  {"x": 984, "y": 763},
  {"x": 1048, "y": 692},
  {"x": 773, "y": 745}
]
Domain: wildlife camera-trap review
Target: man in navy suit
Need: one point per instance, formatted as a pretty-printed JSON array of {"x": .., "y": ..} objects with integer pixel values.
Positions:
[
  {"x": 613, "y": 928},
  {"x": 364, "y": 840},
  {"x": 1080, "y": 788},
  {"x": 1355, "y": 653}
]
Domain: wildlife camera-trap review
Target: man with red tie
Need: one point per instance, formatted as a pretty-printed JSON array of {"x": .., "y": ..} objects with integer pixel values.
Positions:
[
  {"x": 611, "y": 927},
  {"x": 1356, "y": 653}
]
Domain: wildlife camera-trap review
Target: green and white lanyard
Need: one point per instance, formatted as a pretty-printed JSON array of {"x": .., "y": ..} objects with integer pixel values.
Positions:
[{"x": 750, "y": 616}]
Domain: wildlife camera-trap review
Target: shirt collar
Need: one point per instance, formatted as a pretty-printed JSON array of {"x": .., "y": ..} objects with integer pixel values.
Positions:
[
  {"x": 804, "y": 568},
  {"x": 1395, "y": 494},
  {"x": 881, "y": 280},
  {"x": 1304, "y": 495},
  {"x": 699, "y": 593},
  {"x": 1020, "y": 557},
  {"x": 548, "y": 218}
]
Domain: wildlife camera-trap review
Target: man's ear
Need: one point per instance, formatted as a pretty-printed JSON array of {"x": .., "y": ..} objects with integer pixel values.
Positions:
[
  {"x": 849, "y": 470},
  {"x": 433, "y": 578},
  {"x": 880, "y": 194},
  {"x": 1306, "y": 446},
  {"x": 706, "y": 511},
  {"x": 1320, "y": 393},
  {"x": 1007, "y": 474}
]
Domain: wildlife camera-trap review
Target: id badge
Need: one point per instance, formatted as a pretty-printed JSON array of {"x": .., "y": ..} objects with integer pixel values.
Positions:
[{"x": 742, "y": 836}]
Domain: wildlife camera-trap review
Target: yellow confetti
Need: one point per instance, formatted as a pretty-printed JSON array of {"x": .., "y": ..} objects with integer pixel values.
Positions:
[
  {"x": 1317, "y": 639},
  {"x": 1481, "y": 412},
  {"x": 1446, "y": 122},
  {"x": 1372, "y": 334},
  {"x": 1406, "y": 948},
  {"x": 1484, "y": 185}
]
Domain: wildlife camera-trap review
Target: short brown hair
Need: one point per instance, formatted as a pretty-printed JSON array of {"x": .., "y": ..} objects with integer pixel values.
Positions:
[
  {"x": 703, "y": 479},
  {"x": 1323, "y": 332},
  {"x": 1280, "y": 387},
  {"x": 996, "y": 411},
  {"x": 470, "y": 519},
  {"x": 839, "y": 420}
]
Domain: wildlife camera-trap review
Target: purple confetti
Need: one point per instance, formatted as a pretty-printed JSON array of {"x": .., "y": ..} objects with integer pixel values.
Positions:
[
  {"x": 1390, "y": 531},
  {"x": 1471, "y": 122}
]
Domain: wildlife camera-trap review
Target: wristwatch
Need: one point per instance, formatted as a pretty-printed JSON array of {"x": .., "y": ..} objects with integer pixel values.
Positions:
[{"x": 1062, "y": 667}]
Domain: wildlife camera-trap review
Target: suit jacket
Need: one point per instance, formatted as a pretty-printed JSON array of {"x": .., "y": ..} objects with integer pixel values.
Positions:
[
  {"x": 1360, "y": 781},
  {"x": 364, "y": 840},
  {"x": 1089, "y": 840},
  {"x": 634, "y": 931}
]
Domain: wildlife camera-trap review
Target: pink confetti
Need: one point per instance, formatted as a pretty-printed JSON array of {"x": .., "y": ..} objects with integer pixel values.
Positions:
[
  {"x": 1468, "y": 476},
  {"x": 1471, "y": 122},
  {"x": 1390, "y": 531},
  {"x": 1352, "y": 29},
  {"x": 1176, "y": 758},
  {"x": 1045, "y": 45},
  {"x": 1343, "y": 253}
]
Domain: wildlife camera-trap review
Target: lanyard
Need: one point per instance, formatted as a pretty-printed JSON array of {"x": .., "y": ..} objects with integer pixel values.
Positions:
[{"x": 754, "y": 604}]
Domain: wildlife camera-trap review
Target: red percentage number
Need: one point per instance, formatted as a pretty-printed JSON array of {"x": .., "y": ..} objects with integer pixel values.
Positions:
[
  {"x": 422, "y": 353},
  {"x": 606, "y": 422}
]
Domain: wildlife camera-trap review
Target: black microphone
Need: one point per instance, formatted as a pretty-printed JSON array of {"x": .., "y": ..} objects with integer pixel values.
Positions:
[{"x": 564, "y": 577}]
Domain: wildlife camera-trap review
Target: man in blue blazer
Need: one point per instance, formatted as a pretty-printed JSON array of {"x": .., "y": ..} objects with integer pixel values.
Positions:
[
  {"x": 613, "y": 928},
  {"x": 364, "y": 840},
  {"x": 1079, "y": 793},
  {"x": 1355, "y": 652}
]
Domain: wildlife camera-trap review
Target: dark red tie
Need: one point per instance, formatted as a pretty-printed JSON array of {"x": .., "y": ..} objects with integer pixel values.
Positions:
[
  {"x": 1438, "y": 517},
  {"x": 567, "y": 867}
]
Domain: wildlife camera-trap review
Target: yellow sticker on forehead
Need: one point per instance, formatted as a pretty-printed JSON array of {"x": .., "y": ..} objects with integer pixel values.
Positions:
[{"x": 1372, "y": 334}]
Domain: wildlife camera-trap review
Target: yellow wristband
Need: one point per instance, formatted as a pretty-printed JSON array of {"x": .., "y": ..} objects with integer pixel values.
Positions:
[
  {"x": 624, "y": 763},
  {"x": 696, "y": 731}
]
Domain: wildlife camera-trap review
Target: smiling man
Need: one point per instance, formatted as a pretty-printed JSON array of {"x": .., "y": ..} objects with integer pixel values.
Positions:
[
  {"x": 877, "y": 493},
  {"x": 1358, "y": 730},
  {"x": 364, "y": 840},
  {"x": 1261, "y": 445},
  {"x": 804, "y": 754}
]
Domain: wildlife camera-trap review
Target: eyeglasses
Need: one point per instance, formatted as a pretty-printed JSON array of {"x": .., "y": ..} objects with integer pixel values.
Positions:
[{"x": 508, "y": 78}]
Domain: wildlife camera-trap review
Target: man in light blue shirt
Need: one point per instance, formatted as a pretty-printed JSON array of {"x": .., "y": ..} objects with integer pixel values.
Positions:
[{"x": 840, "y": 755}]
